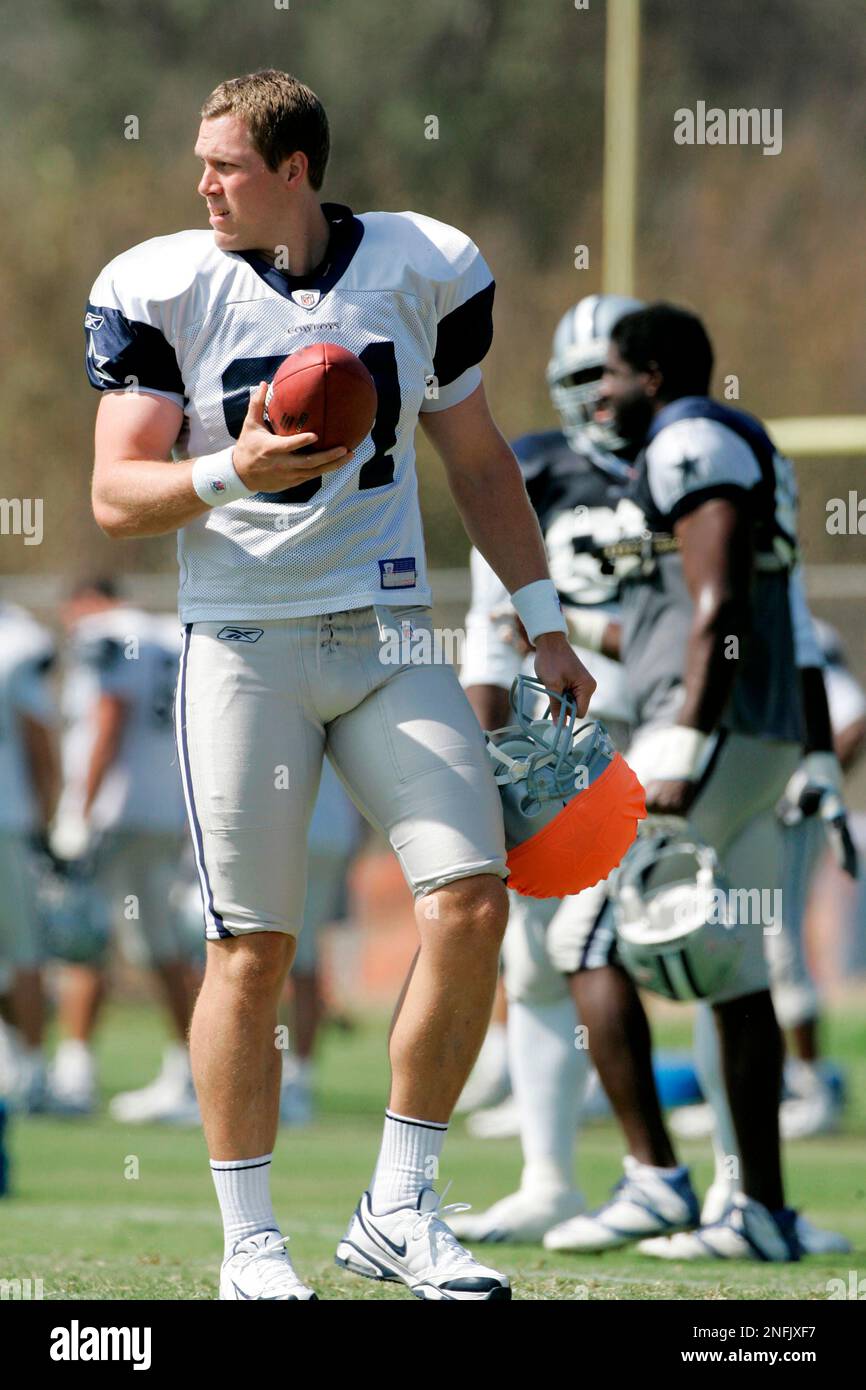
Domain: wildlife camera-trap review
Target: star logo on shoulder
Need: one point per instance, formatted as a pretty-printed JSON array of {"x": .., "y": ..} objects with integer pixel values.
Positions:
[{"x": 98, "y": 361}]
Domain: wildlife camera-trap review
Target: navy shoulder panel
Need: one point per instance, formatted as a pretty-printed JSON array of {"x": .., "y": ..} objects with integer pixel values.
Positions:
[
  {"x": 463, "y": 337},
  {"x": 750, "y": 430},
  {"x": 123, "y": 353}
]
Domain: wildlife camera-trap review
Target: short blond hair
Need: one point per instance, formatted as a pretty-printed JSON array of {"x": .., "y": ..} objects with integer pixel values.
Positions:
[{"x": 281, "y": 115}]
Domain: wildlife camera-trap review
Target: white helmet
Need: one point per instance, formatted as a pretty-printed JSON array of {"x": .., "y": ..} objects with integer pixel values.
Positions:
[
  {"x": 76, "y": 918},
  {"x": 576, "y": 362},
  {"x": 674, "y": 933},
  {"x": 570, "y": 802}
]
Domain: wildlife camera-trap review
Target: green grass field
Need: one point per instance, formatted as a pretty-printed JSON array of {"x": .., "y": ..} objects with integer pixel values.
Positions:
[{"x": 90, "y": 1231}]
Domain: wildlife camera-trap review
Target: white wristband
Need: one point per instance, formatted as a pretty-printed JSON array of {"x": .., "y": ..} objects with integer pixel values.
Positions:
[
  {"x": 537, "y": 607},
  {"x": 215, "y": 480},
  {"x": 674, "y": 753},
  {"x": 586, "y": 627}
]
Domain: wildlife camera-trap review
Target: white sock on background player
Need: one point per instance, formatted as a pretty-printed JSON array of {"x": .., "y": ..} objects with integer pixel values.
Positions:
[
  {"x": 708, "y": 1064},
  {"x": 548, "y": 1076},
  {"x": 408, "y": 1160},
  {"x": 243, "y": 1188}
]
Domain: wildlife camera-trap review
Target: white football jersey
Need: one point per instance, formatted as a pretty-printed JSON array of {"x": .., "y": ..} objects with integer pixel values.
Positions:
[
  {"x": 134, "y": 656},
  {"x": 26, "y": 655},
  {"x": 178, "y": 317}
]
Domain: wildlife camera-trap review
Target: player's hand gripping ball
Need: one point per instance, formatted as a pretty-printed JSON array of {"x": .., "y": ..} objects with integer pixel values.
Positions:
[{"x": 325, "y": 390}]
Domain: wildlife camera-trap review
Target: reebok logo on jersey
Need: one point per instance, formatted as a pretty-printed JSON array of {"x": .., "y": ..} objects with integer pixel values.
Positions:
[
  {"x": 240, "y": 634},
  {"x": 397, "y": 574}
]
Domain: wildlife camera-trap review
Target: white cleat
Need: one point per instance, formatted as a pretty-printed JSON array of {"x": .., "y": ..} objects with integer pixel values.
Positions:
[
  {"x": 643, "y": 1204},
  {"x": 72, "y": 1079},
  {"x": 412, "y": 1245},
  {"x": 498, "y": 1122},
  {"x": 259, "y": 1267},
  {"x": 522, "y": 1217},
  {"x": 170, "y": 1099},
  {"x": 804, "y": 1116},
  {"x": 746, "y": 1231},
  {"x": 814, "y": 1241},
  {"x": 29, "y": 1092},
  {"x": 296, "y": 1105}
]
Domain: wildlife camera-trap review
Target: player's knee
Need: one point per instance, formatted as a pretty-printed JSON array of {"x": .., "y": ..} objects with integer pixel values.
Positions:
[
  {"x": 253, "y": 965},
  {"x": 473, "y": 908}
]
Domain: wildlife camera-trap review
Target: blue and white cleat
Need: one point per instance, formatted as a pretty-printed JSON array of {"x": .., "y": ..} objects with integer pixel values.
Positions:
[
  {"x": 413, "y": 1246},
  {"x": 746, "y": 1230},
  {"x": 644, "y": 1203},
  {"x": 259, "y": 1267}
]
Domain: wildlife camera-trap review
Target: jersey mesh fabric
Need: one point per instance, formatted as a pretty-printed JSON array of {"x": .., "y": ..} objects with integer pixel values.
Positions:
[{"x": 413, "y": 302}]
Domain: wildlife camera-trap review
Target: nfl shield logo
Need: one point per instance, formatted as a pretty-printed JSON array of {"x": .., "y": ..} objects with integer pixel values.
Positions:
[{"x": 307, "y": 299}]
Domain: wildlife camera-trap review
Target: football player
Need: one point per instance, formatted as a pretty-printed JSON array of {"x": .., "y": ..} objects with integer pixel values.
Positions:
[
  {"x": 123, "y": 809},
  {"x": 29, "y": 786},
  {"x": 817, "y": 780},
  {"x": 296, "y": 570},
  {"x": 812, "y": 1105},
  {"x": 707, "y": 645},
  {"x": 810, "y": 810},
  {"x": 575, "y": 477}
]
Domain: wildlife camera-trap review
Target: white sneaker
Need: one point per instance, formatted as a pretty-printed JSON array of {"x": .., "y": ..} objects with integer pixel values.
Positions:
[
  {"x": 259, "y": 1267},
  {"x": 520, "y": 1218},
  {"x": 412, "y": 1245},
  {"x": 489, "y": 1081},
  {"x": 812, "y": 1107},
  {"x": 498, "y": 1122},
  {"x": 692, "y": 1121},
  {"x": 29, "y": 1093},
  {"x": 72, "y": 1079},
  {"x": 296, "y": 1094},
  {"x": 746, "y": 1231},
  {"x": 644, "y": 1203},
  {"x": 814, "y": 1241},
  {"x": 170, "y": 1099},
  {"x": 296, "y": 1105}
]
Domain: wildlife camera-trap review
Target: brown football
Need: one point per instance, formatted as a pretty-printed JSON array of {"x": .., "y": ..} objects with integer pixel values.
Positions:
[{"x": 324, "y": 389}]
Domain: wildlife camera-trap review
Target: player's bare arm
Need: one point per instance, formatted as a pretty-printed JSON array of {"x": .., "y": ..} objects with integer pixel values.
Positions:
[
  {"x": 138, "y": 490},
  {"x": 110, "y": 717},
  {"x": 488, "y": 490},
  {"x": 715, "y": 544},
  {"x": 40, "y": 751}
]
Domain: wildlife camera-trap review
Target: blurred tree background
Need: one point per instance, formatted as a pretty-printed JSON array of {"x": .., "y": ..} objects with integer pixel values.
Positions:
[{"x": 769, "y": 249}]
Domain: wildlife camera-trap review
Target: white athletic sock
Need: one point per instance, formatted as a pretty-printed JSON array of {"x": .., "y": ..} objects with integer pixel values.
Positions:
[
  {"x": 243, "y": 1188},
  {"x": 651, "y": 1170},
  {"x": 408, "y": 1160},
  {"x": 548, "y": 1075},
  {"x": 708, "y": 1064}
]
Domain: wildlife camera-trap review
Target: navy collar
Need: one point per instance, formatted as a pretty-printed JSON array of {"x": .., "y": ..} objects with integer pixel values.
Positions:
[{"x": 347, "y": 232}]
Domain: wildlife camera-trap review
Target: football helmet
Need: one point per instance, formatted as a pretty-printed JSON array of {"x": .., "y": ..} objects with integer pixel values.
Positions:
[
  {"x": 576, "y": 362},
  {"x": 670, "y": 903},
  {"x": 75, "y": 916},
  {"x": 570, "y": 802}
]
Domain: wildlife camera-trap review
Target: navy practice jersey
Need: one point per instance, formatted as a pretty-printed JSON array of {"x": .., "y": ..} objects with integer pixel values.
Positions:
[
  {"x": 698, "y": 449},
  {"x": 575, "y": 497},
  {"x": 177, "y": 317}
]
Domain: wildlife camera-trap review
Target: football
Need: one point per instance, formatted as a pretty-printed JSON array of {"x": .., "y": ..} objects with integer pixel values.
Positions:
[{"x": 324, "y": 389}]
